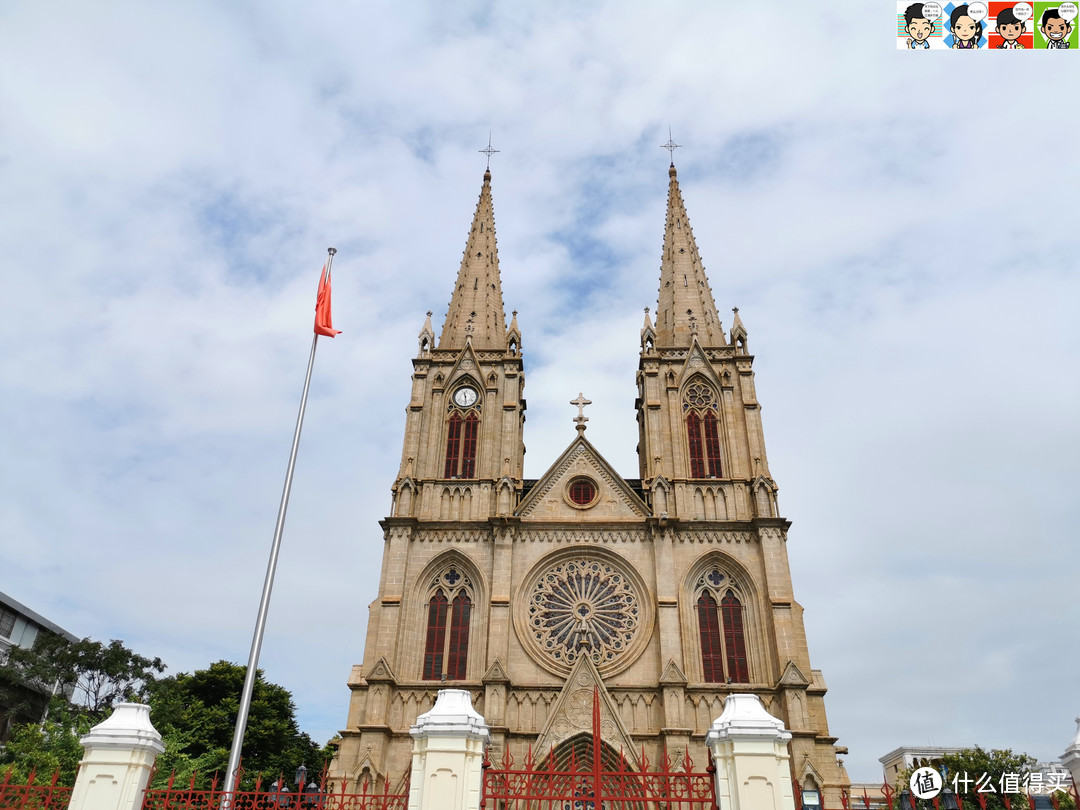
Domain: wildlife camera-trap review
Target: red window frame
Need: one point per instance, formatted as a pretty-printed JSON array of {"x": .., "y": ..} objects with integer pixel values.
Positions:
[
  {"x": 582, "y": 492},
  {"x": 468, "y": 446},
  {"x": 436, "y": 637},
  {"x": 453, "y": 445},
  {"x": 734, "y": 638},
  {"x": 693, "y": 435},
  {"x": 712, "y": 444},
  {"x": 461, "y": 439},
  {"x": 458, "y": 654},
  {"x": 712, "y": 658}
]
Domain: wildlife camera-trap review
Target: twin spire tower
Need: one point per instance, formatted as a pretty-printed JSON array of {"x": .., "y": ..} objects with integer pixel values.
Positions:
[{"x": 667, "y": 592}]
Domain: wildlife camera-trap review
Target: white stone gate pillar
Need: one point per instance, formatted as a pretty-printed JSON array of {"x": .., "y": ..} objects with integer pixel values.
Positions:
[
  {"x": 749, "y": 747},
  {"x": 448, "y": 755},
  {"x": 1071, "y": 758},
  {"x": 118, "y": 756}
]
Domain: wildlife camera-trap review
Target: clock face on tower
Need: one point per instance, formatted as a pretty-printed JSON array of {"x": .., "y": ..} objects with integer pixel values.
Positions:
[{"x": 465, "y": 397}]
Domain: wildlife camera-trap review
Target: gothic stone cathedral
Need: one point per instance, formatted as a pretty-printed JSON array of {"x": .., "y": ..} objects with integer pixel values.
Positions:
[{"x": 669, "y": 591}]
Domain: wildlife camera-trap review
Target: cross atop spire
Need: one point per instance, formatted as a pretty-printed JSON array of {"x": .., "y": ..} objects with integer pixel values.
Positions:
[
  {"x": 488, "y": 151},
  {"x": 671, "y": 146}
]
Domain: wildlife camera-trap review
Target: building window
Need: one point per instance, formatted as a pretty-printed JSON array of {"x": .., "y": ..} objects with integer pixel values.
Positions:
[
  {"x": 582, "y": 491},
  {"x": 734, "y": 639},
  {"x": 461, "y": 435},
  {"x": 712, "y": 659},
  {"x": 723, "y": 636},
  {"x": 7, "y": 622},
  {"x": 702, "y": 431},
  {"x": 446, "y": 654}
]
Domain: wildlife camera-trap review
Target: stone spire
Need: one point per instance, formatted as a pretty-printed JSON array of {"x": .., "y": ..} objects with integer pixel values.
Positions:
[
  {"x": 686, "y": 302},
  {"x": 476, "y": 308}
]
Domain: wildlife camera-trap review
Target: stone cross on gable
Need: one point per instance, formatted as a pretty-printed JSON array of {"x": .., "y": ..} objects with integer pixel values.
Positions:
[{"x": 581, "y": 418}]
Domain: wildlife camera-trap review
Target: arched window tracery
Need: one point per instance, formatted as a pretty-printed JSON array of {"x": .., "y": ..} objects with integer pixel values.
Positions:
[
  {"x": 700, "y": 405},
  {"x": 721, "y": 629},
  {"x": 449, "y": 615}
]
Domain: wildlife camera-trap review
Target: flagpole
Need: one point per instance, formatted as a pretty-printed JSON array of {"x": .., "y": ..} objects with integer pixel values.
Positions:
[{"x": 232, "y": 770}]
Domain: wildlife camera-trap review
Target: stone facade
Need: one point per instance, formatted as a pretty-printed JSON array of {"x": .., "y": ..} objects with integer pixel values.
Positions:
[{"x": 583, "y": 577}]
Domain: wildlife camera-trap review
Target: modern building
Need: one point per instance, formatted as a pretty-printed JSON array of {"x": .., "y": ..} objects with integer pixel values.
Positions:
[
  {"x": 899, "y": 760},
  {"x": 667, "y": 591},
  {"x": 20, "y": 627}
]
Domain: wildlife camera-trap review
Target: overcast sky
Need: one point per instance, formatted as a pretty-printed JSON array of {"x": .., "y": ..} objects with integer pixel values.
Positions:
[{"x": 898, "y": 230}]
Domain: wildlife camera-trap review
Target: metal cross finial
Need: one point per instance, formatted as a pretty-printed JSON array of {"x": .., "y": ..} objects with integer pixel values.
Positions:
[
  {"x": 581, "y": 418},
  {"x": 671, "y": 146},
  {"x": 488, "y": 151}
]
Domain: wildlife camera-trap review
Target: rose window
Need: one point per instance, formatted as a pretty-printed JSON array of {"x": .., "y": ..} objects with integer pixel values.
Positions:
[{"x": 584, "y": 607}]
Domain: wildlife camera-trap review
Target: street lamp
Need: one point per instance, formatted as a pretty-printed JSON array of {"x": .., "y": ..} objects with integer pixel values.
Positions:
[
  {"x": 948, "y": 799},
  {"x": 811, "y": 799},
  {"x": 301, "y": 778}
]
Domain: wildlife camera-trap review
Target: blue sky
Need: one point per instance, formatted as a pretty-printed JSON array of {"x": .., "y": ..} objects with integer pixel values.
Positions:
[{"x": 896, "y": 229}]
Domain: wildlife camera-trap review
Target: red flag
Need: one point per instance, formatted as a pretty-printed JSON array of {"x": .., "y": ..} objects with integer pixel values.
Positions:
[{"x": 323, "y": 324}]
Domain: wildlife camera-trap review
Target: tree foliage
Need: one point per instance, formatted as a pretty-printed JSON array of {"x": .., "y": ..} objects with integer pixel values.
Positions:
[
  {"x": 977, "y": 767},
  {"x": 196, "y": 715},
  {"x": 46, "y": 748},
  {"x": 92, "y": 674}
]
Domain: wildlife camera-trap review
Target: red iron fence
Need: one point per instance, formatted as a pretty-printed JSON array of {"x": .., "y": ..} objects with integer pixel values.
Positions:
[
  {"x": 587, "y": 776},
  {"x": 313, "y": 797},
  {"x": 29, "y": 796}
]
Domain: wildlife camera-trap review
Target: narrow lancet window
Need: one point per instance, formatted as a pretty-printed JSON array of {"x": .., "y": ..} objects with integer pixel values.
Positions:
[{"x": 700, "y": 405}]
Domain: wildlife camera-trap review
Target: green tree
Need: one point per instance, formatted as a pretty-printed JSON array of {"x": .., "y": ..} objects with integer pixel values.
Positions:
[
  {"x": 196, "y": 715},
  {"x": 977, "y": 767},
  {"x": 95, "y": 675},
  {"x": 46, "y": 748}
]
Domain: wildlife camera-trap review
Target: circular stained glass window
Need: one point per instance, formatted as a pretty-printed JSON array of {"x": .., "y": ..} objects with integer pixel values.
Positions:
[{"x": 582, "y": 491}]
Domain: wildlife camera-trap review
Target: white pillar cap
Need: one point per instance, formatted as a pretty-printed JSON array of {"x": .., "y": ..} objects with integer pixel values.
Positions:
[
  {"x": 452, "y": 715},
  {"x": 128, "y": 726},
  {"x": 744, "y": 717}
]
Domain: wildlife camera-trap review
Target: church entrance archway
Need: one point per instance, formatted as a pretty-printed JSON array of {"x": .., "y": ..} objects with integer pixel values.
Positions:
[{"x": 585, "y": 773}]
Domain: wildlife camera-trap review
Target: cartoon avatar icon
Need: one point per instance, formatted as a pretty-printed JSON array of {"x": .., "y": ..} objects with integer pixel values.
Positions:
[
  {"x": 966, "y": 33},
  {"x": 918, "y": 27},
  {"x": 1010, "y": 28},
  {"x": 1055, "y": 29}
]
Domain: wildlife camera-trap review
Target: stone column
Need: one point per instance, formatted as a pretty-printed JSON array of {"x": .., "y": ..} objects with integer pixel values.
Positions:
[
  {"x": 750, "y": 748},
  {"x": 1071, "y": 758},
  {"x": 448, "y": 755},
  {"x": 118, "y": 756}
]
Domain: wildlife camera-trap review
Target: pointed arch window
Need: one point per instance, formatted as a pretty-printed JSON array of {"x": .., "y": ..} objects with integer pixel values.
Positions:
[
  {"x": 449, "y": 614},
  {"x": 436, "y": 637},
  {"x": 734, "y": 638},
  {"x": 712, "y": 660},
  {"x": 722, "y": 632},
  {"x": 702, "y": 431},
  {"x": 461, "y": 436}
]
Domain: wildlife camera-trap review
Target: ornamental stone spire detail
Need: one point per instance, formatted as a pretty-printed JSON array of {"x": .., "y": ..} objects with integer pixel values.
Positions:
[
  {"x": 686, "y": 301},
  {"x": 476, "y": 312}
]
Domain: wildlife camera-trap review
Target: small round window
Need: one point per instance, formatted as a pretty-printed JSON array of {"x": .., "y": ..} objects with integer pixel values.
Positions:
[{"x": 582, "y": 491}]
